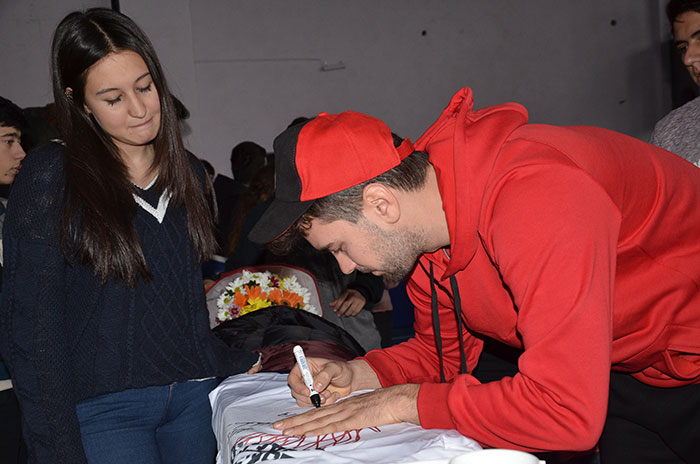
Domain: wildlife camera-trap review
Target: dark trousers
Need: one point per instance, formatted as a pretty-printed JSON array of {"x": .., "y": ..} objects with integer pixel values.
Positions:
[
  {"x": 644, "y": 424},
  {"x": 12, "y": 449},
  {"x": 647, "y": 424}
]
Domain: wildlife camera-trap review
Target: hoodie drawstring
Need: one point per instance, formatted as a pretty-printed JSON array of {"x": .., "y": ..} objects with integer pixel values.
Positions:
[
  {"x": 458, "y": 315},
  {"x": 436, "y": 323}
]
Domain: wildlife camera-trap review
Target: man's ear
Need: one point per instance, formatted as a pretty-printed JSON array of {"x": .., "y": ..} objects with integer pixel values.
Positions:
[{"x": 379, "y": 201}]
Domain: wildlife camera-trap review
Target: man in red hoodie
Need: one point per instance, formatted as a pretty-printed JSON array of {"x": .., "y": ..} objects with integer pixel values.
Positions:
[{"x": 576, "y": 245}]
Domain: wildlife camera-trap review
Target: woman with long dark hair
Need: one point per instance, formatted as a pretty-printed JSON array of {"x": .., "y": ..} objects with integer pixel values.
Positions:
[{"x": 107, "y": 333}]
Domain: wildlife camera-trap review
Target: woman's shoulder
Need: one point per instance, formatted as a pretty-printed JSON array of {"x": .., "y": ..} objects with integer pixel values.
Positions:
[
  {"x": 195, "y": 163},
  {"x": 197, "y": 166},
  {"x": 47, "y": 159},
  {"x": 34, "y": 205},
  {"x": 40, "y": 177}
]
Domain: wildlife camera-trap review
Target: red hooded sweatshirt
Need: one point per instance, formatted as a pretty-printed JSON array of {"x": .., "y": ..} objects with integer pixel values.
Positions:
[{"x": 578, "y": 245}]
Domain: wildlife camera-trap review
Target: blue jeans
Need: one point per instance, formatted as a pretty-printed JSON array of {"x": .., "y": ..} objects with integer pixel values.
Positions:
[{"x": 169, "y": 424}]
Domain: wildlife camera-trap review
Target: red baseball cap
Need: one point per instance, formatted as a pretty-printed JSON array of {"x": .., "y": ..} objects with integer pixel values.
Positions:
[{"x": 322, "y": 156}]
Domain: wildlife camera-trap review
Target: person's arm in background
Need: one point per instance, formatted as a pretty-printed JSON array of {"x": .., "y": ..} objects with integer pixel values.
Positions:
[{"x": 363, "y": 293}]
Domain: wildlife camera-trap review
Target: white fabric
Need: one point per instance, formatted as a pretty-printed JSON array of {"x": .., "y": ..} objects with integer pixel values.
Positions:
[{"x": 245, "y": 407}]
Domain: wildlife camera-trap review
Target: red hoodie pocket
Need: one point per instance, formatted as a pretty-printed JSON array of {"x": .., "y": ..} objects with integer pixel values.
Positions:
[
  {"x": 682, "y": 365},
  {"x": 681, "y": 357}
]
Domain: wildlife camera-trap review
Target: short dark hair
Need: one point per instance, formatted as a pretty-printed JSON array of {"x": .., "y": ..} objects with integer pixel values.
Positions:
[
  {"x": 207, "y": 166},
  {"x": 675, "y": 8},
  {"x": 246, "y": 159},
  {"x": 409, "y": 175},
  {"x": 11, "y": 115}
]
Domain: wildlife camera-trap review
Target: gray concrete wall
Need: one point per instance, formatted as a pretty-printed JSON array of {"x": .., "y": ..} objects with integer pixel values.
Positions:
[{"x": 245, "y": 69}]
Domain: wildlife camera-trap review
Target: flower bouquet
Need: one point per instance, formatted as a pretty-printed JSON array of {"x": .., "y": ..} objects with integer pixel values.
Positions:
[{"x": 249, "y": 290}]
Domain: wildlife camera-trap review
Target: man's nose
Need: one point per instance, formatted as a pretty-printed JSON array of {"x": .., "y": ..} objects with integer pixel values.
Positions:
[
  {"x": 692, "y": 55},
  {"x": 346, "y": 264},
  {"x": 19, "y": 152}
]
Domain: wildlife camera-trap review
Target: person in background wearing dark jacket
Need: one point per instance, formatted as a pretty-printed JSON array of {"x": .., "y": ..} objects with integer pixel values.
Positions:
[
  {"x": 12, "y": 125},
  {"x": 247, "y": 158},
  {"x": 104, "y": 316},
  {"x": 576, "y": 245}
]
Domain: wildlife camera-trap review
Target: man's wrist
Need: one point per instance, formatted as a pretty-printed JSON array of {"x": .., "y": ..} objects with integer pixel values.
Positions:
[
  {"x": 363, "y": 376},
  {"x": 408, "y": 402}
]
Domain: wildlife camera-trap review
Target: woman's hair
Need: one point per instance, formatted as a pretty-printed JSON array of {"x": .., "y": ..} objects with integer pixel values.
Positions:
[{"x": 98, "y": 213}]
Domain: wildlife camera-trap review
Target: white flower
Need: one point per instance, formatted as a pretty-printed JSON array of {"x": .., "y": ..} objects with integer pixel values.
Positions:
[
  {"x": 290, "y": 283},
  {"x": 225, "y": 300},
  {"x": 223, "y": 314}
]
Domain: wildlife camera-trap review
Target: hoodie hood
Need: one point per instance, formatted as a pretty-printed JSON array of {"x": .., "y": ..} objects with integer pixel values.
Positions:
[{"x": 463, "y": 145}]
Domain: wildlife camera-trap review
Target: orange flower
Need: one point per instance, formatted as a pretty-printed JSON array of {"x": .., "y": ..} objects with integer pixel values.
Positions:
[
  {"x": 240, "y": 299},
  {"x": 275, "y": 296},
  {"x": 291, "y": 299},
  {"x": 255, "y": 292}
]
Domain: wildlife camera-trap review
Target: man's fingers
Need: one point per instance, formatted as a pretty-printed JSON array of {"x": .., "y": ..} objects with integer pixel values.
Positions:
[
  {"x": 380, "y": 407},
  {"x": 324, "y": 375},
  {"x": 327, "y": 418},
  {"x": 324, "y": 378}
]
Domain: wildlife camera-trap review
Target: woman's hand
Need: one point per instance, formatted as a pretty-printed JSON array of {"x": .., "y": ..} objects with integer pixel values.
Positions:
[
  {"x": 257, "y": 367},
  {"x": 349, "y": 303},
  {"x": 208, "y": 283}
]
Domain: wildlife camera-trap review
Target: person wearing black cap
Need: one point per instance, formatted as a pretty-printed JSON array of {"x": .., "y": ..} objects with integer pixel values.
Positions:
[{"x": 575, "y": 245}]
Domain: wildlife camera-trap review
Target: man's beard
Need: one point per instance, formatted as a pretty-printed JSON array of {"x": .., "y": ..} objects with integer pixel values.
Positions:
[{"x": 399, "y": 251}]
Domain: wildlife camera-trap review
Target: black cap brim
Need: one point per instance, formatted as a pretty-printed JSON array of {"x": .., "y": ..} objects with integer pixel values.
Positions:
[{"x": 277, "y": 218}]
